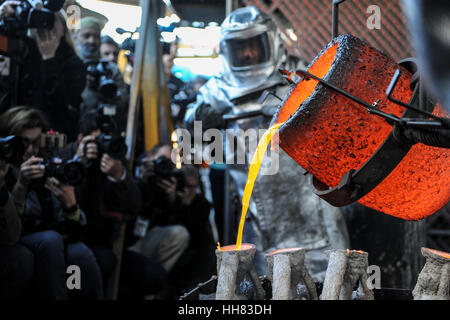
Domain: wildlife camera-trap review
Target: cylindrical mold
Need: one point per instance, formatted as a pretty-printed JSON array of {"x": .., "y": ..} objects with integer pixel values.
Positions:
[
  {"x": 287, "y": 271},
  {"x": 227, "y": 272},
  {"x": 434, "y": 279},
  {"x": 345, "y": 269},
  {"x": 328, "y": 134},
  {"x": 232, "y": 266},
  {"x": 334, "y": 277}
]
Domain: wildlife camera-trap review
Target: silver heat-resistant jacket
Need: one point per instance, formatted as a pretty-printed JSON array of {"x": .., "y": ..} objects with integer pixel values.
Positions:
[{"x": 283, "y": 212}]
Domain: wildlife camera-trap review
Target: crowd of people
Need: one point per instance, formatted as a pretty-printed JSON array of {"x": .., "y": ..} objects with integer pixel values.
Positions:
[
  {"x": 65, "y": 206},
  {"x": 68, "y": 206}
]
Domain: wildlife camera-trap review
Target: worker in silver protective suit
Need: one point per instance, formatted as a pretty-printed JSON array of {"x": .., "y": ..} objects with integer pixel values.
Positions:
[{"x": 283, "y": 212}]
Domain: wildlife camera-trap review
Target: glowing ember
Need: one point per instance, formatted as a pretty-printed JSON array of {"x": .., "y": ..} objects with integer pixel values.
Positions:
[
  {"x": 284, "y": 250},
  {"x": 439, "y": 253},
  {"x": 244, "y": 246}
]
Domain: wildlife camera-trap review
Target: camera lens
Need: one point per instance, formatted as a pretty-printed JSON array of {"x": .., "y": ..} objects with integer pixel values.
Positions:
[
  {"x": 107, "y": 88},
  {"x": 74, "y": 173}
]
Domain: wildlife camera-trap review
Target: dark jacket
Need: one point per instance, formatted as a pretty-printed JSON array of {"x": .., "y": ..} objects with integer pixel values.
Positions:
[
  {"x": 42, "y": 211},
  {"x": 10, "y": 225},
  {"x": 105, "y": 202},
  {"x": 160, "y": 212},
  {"x": 65, "y": 78},
  {"x": 195, "y": 218},
  {"x": 53, "y": 86},
  {"x": 25, "y": 81},
  {"x": 155, "y": 205}
]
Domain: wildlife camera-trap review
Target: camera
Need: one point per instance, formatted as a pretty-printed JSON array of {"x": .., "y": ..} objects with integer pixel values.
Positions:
[
  {"x": 67, "y": 172},
  {"x": 103, "y": 81},
  {"x": 165, "y": 169},
  {"x": 31, "y": 14},
  {"x": 114, "y": 146},
  {"x": 12, "y": 149}
]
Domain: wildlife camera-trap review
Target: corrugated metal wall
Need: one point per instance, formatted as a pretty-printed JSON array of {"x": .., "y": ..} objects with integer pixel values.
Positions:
[{"x": 310, "y": 21}]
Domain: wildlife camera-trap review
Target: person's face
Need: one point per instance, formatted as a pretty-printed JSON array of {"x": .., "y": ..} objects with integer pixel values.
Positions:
[
  {"x": 109, "y": 52},
  {"x": 249, "y": 53},
  {"x": 88, "y": 39},
  {"x": 191, "y": 185},
  {"x": 165, "y": 151},
  {"x": 32, "y": 139}
]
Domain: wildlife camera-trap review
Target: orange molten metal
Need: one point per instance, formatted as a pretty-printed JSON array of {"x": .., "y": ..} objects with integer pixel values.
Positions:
[
  {"x": 329, "y": 134},
  {"x": 439, "y": 253},
  {"x": 243, "y": 246}
]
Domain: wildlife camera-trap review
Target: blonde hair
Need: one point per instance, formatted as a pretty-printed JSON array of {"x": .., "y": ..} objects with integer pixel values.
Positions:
[
  {"x": 67, "y": 34},
  {"x": 15, "y": 120}
]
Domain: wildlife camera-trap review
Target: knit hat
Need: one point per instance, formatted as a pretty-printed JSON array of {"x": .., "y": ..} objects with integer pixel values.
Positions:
[{"x": 91, "y": 22}]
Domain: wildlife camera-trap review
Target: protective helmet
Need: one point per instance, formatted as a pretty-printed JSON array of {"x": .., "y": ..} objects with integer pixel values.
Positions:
[{"x": 250, "y": 48}]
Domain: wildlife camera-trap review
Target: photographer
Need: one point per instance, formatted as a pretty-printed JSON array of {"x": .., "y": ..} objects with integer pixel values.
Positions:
[
  {"x": 16, "y": 261},
  {"x": 197, "y": 264},
  {"x": 104, "y": 81},
  {"x": 49, "y": 213},
  {"x": 109, "y": 49},
  {"x": 52, "y": 76},
  {"x": 160, "y": 236},
  {"x": 176, "y": 219},
  {"x": 109, "y": 195}
]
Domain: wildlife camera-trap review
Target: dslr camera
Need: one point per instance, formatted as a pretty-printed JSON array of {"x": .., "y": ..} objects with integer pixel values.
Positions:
[
  {"x": 31, "y": 14},
  {"x": 113, "y": 145},
  {"x": 67, "y": 172},
  {"x": 165, "y": 169},
  {"x": 103, "y": 82},
  {"x": 12, "y": 149}
]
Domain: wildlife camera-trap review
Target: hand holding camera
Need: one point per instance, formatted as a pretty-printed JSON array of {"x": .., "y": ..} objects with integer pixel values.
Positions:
[
  {"x": 64, "y": 193},
  {"x": 88, "y": 149},
  {"x": 7, "y": 9},
  {"x": 147, "y": 170},
  {"x": 169, "y": 187},
  {"x": 112, "y": 167},
  {"x": 185, "y": 196},
  {"x": 30, "y": 170}
]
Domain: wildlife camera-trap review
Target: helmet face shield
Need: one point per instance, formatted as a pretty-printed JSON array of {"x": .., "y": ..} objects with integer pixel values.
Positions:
[
  {"x": 248, "y": 52},
  {"x": 250, "y": 48}
]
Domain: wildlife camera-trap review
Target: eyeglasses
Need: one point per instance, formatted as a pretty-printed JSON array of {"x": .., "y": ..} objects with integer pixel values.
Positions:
[{"x": 36, "y": 143}]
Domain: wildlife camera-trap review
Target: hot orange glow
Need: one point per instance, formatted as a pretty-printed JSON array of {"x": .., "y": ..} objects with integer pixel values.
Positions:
[
  {"x": 418, "y": 186},
  {"x": 348, "y": 251},
  {"x": 244, "y": 246},
  {"x": 439, "y": 253},
  {"x": 284, "y": 250},
  {"x": 304, "y": 88},
  {"x": 328, "y": 134},
  {"x": 218, "y": 246}
]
